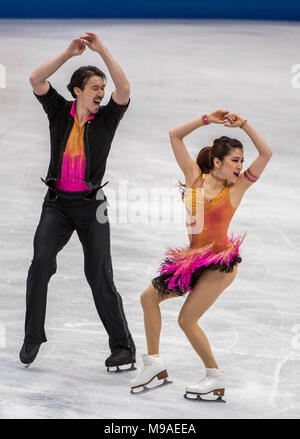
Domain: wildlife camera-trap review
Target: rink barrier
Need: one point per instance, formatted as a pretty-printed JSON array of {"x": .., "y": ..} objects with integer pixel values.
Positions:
[{"x": 232, "y": 9}]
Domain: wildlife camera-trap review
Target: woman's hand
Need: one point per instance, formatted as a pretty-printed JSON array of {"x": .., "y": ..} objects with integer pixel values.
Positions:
[
  {"x": 218, "y": 116},
  {"x": 77, "y": 47},
  {"x": 234, "y": 120}
]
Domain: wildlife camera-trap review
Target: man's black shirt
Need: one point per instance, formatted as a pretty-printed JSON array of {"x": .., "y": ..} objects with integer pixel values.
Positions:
[{"x": 98, "y": 135}]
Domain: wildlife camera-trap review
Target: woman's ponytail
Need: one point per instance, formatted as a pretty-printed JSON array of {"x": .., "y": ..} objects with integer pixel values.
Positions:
[{"x": 204, "y": 160}]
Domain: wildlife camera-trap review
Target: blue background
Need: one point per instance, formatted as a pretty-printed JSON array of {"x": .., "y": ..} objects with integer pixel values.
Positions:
[{"x": 244, "y": 9}]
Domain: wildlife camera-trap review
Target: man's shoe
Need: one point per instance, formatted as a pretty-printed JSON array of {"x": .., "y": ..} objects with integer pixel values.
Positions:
[
  {"x": 29, "y": 352},
  {"x": 120, "y": 357}
]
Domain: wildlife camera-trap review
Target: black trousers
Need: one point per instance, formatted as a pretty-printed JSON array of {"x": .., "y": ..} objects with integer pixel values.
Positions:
[{"x": 60, "y": 216}]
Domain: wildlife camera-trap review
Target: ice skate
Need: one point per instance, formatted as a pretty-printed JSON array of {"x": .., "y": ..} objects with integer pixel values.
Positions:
[
  {"x": 212, "y": 385},
  {"x": 154, "y": 367},
  {"x": 120, "y": 358},
  {"x": 28, "y": 353}
]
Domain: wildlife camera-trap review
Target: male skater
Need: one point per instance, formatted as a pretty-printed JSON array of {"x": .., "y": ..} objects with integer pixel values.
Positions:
[{"x": 81, "y": 133}]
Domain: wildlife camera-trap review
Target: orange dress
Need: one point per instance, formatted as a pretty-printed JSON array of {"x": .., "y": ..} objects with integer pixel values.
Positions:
[{"x": 210, "y": 247}]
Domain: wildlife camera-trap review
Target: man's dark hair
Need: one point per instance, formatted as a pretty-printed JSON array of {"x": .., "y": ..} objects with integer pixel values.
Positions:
[{"x": 81, "y": 76}]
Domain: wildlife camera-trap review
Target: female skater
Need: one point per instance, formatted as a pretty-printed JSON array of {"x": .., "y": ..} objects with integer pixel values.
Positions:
[{"x": 209, "y": 264}]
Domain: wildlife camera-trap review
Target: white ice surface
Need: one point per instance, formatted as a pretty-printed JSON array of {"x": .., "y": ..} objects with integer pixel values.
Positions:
[{"x": 178, "y": 70}]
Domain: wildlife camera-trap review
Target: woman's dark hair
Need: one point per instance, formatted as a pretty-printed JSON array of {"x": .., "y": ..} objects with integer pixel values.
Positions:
[
  {"x": 220, "y": 149},
  {"x": 81, "y": 76}
]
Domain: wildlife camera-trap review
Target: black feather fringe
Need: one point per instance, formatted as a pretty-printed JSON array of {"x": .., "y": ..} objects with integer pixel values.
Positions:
[{"x": 160, "y": 283}]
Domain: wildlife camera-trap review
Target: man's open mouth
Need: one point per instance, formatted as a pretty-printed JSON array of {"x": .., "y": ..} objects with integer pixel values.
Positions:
[
  {"x": 236, "y": 174},
  {"x": 97, "y": 102}
]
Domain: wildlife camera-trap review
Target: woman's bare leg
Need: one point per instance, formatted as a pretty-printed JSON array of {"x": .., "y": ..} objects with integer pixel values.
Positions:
[
  {"x": 208, "y": 288},
  {"x": 150, "y": 300}
]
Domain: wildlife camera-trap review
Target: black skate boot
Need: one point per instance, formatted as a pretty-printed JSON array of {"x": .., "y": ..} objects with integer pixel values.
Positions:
[
  {"x": 28, "y": 353},
  {"x": 120, "y": 357}
]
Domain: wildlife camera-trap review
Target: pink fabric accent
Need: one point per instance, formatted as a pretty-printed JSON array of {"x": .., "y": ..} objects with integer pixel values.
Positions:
[
  {"x": 72, "y": 175},
  {"x": 181, "y": 263},
  {"x": 73, "y": 111},
  {"x": 73, "y": 165}
]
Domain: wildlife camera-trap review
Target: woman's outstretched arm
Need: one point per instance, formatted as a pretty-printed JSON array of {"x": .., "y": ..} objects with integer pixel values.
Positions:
[
  {"x": 264, "y": 152},
  {"x": 184, "y": 160}
]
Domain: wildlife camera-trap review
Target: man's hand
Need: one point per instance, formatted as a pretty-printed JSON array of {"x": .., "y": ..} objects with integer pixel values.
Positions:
[
  {"x": 92, "y": 41},
  {"x": 218, "y": 116},
  {"x": 77, "y": 47}
]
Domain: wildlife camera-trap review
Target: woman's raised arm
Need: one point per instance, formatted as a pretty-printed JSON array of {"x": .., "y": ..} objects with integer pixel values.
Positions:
[
  {"x": 264, "y": 152},
  {"x": 184, "y": 160}
]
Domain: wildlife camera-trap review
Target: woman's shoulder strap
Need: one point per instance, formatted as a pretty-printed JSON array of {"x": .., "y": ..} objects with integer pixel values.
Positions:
[{"x": 198, "y": 182}]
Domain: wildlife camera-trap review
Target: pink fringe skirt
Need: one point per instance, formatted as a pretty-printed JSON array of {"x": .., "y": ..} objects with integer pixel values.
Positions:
[{"x": 182, "y": 267}]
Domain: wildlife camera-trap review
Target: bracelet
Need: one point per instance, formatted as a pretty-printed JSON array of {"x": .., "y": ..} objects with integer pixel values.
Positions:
[
  {"x": 243, "y": 123},
  {"x": 205, "y": 120},
  {"x": 250, "y": 176}
]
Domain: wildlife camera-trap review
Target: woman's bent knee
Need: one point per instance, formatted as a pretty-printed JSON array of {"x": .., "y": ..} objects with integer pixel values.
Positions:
[
  {"x": 182, "y": 322},
  {"x": 185, "y": 322},
  {"x": 149, "y": 297}
]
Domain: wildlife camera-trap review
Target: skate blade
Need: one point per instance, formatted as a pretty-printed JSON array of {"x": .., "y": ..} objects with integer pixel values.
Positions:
[
  {"x": 206, "y": 397},
  {"x": 145, "y": 389},
  {"x": 121, "y": 369},
  {"x": 26, "y": 366}
]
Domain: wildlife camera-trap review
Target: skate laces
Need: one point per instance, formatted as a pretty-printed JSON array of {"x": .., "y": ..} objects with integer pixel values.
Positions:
[
  {"x": 204, "y": 380},
  {"x": 142, "y": 370}
]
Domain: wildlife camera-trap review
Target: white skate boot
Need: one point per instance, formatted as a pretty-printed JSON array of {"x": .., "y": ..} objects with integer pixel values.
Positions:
[
  {"x": 154, "y": 367},
  {"x": 212, "y": 383}
]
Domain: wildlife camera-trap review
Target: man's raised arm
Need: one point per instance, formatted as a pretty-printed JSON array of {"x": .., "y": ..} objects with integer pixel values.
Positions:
[
  {"x": 39, "y": 76},
  {"x": 122, "y": 91}
]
